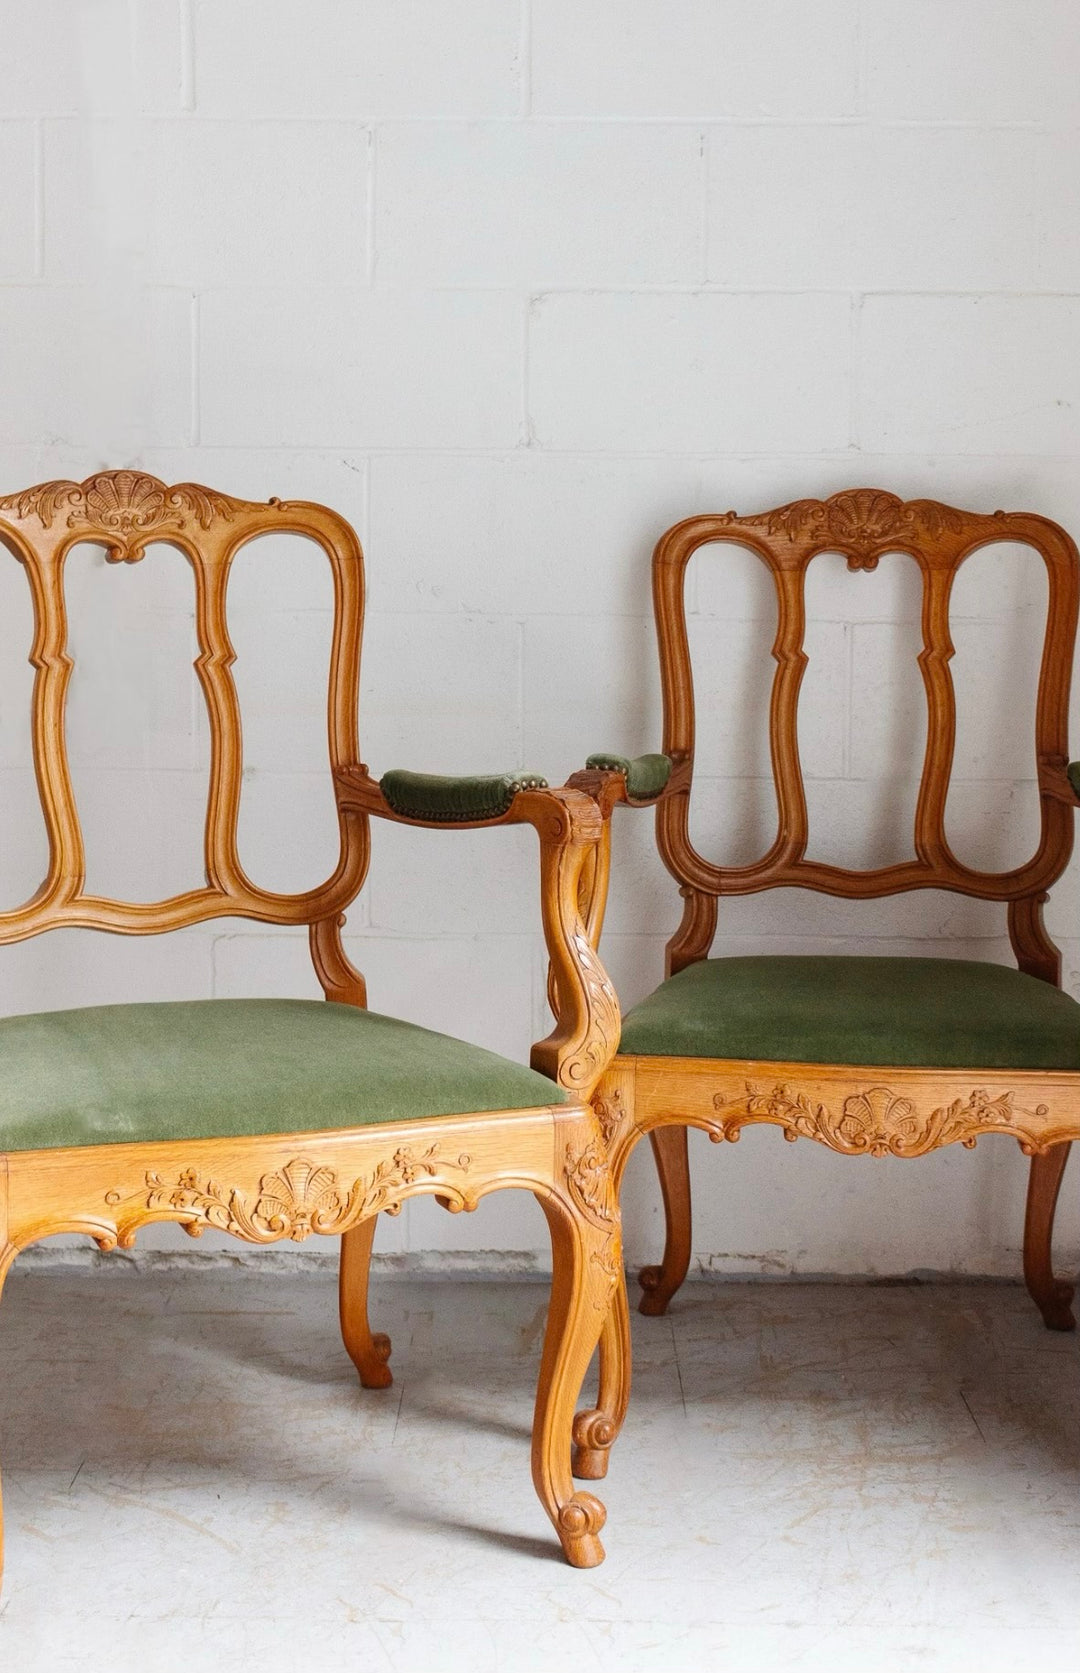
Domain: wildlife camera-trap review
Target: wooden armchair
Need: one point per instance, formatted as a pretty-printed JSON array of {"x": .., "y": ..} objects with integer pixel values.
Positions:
[
  {"x": 278, "y": 1119},
  {"x": 872, "y": 1057}
]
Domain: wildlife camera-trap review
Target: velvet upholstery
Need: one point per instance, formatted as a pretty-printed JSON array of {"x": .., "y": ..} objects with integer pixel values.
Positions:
[
  {"x": 1073, "y": 770},
  {"x": 429, "y": 796},
  {"x": 216, "y": 1068},
  {"x": 646, "y": 775},
  {"x": 917, "y": 1012}
]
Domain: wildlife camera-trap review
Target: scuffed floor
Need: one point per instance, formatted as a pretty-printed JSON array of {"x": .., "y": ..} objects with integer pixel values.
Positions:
[{"x": 812, "y": 1477}]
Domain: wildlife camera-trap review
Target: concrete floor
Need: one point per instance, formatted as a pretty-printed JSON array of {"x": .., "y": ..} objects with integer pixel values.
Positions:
[{"x": 812, "y": 1477}]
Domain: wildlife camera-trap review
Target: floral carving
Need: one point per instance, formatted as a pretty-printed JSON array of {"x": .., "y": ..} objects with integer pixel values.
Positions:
[
  {"x": 299, "y": 1199},
  {"x": 603, "y": 1006},
  {"x": 588, "y": 1179},
  {"x": 861, "y": 522},
  {"x": 128, "y": 505},
  {"x": 879, "y": 1121},
  {"x": 610, "y": 1114}
]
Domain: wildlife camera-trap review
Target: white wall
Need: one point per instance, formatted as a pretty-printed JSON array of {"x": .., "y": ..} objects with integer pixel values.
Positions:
[{"x": 514, "y": 284}]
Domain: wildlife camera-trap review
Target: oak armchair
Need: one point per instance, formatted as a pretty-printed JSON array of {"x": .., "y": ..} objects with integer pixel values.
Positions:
[
  {"x": 280, "y": 1119},
  {"x": 871, "y": 1057}
]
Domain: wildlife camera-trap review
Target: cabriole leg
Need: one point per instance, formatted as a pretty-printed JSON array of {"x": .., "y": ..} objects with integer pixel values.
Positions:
[
  {"x": 1051, "y": 1296},
  {"x": 596, "y": 1431},
  {"x": 583, "y": 1256},
  {"x": 673, "y": 1165},
  {"x": 5, "y": 1264},
  {"x": 369, "y": 1352}
]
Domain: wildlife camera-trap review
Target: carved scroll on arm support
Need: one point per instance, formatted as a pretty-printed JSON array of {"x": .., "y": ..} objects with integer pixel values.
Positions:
[
  {"x": 570, "y": 828},
  {"x": 586, "y": 1033}
]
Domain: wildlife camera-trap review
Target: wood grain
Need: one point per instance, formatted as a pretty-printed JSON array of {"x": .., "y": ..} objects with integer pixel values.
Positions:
[
  {"x": 855, "y": 1111},
  {"x": 299, "y": 1185}
]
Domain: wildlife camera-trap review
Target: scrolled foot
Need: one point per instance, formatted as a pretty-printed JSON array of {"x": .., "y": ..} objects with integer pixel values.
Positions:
[
  {"x": 372, "y": 1364},
  {"x": 655, "y": 1293},
  {"x": 1050, "y": 1295},
  {"x": 579, "y": 1522},
  {"x": 1055, "y": 1305},
  {"x": 594, "y": 1435}
]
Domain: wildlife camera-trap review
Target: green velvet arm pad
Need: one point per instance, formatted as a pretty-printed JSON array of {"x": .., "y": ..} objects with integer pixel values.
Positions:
[
  {"x": 1073, "y": 770},
  {"x": 646, "y": 775},
  {"x": 448, "y": 800}
]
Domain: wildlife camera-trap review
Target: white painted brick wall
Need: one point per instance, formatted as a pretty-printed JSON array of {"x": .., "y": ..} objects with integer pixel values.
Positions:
[{"x": 515, "y": 284}]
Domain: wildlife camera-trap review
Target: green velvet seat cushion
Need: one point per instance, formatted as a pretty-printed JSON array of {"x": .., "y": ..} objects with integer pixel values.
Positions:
[
  {"x": 221, "y": 1067},
  {"x": 917, "y": 1012}
]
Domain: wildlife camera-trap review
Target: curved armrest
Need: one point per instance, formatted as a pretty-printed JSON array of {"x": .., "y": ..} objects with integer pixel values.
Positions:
[
  {"x": 646, "y": 775},
  {"x": 570, "y": 827},
  {"x": 455, "y": 800}
]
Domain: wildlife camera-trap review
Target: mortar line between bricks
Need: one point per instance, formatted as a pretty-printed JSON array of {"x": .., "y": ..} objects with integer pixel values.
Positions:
[
  {"x": 400, "y": 450},
  {"x": 539, "y": 119},
  {"x": 528, "y": 438},
  {"x": 862, "y": 65},
  {"x": 39, "y": 200},
  {"x": 195, "y": 385},
  {"x": 525, "y": 59},
  {"x": 187, "y": 55},
  {"x": 706, "y": 193},
  {"x": 855, "y": 374},
  {"x": 832, "y": 454},
  {"x": 689, "y": 288},
  {"x": 369, "y": 207}
]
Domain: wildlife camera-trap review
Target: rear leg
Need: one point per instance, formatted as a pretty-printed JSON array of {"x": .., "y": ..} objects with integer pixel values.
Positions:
[
  {"x": 673, "y": 1165},
  {"x": 368, "y": 1351},
  {"x": 1051, "y": 1295}
]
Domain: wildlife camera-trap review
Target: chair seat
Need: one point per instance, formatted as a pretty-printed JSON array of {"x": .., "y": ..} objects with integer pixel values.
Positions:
[
  {"x": 917, "y": 1012},
  {"x": 114, "y": 1074}
]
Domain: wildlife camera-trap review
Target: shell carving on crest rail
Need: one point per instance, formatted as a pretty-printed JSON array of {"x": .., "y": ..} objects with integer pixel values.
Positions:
[
  {"x": 878, "y": 1121},
  {"x": 298, "y": 1200},
  {"x": 861, "y": 521},
  {"x": 129, "y": 505}
]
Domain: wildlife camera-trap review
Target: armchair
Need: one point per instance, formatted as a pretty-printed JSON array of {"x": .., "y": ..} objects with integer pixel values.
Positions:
[
  {"x": 281, "y": 1119},
  {"x": 871, "y": 1057}
]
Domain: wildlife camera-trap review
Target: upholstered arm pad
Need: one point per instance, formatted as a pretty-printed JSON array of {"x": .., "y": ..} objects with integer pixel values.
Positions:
[
  {"x": 646, "y": 775},
  {"x": 452, "y": 800},
  {"x": 1073, "y": 771},
  {"x": 570, "y": 826}
]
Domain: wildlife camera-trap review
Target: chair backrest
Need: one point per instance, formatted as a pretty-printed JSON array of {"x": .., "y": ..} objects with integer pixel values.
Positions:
[
  {"x": 125, "y": 511},
  {"x": 863, "y": 524}
]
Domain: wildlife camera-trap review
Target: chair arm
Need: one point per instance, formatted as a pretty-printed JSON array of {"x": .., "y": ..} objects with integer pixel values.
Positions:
[
  {"x": 1058, "y": 778},
  {"x": 646, "y": 776},
  {"x": 570, "y": 828},
  {"x": 455, "y": 800}
]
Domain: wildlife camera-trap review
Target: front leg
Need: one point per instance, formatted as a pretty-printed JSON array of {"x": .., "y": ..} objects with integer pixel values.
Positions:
[
  {"x": 586, "y": 1259},
  {"x": 368, "y": 1351},
  {"x": 597, "y": 1430},
  {"x": 7, "y": 1255}
]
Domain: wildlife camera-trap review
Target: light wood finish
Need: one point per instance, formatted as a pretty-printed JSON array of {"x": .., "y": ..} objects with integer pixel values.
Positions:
[
  {"x": 855, "y": 1111},
  {"x": 1052, "y": 1297},
  {"x": 292, "y": 1186},
  {"x": 659, "y": 1283},
  {"x": 368, "y": 1350}
]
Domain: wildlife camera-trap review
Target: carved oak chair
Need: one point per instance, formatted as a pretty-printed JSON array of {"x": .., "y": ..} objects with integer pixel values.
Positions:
[
  {"x": 277, "y": 1119},
  {"x": 872, "y": 1057}
]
